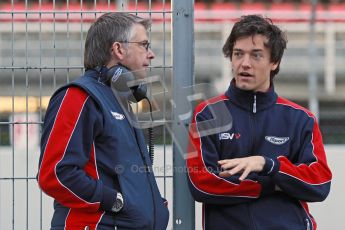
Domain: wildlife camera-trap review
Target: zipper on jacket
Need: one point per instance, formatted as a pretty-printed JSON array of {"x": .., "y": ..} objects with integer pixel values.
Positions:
[
  {"x": 308, "y": 223},
  {"x": 147, "y": 173},
  {"x": 253, "y": 126},
  {"x": 253, "y": 144},
  {"x": 152, "y": 193}
]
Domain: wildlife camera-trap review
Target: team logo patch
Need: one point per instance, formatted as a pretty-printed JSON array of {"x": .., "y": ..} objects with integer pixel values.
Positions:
[
  {"x": 117, "y": 116},
  {"x": 276, "y": 140},
  {"x": 227, "y": 136}
]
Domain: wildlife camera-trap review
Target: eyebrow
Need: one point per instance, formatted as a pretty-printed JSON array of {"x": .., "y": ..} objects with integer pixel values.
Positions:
[{"x": 254, "y": 50}]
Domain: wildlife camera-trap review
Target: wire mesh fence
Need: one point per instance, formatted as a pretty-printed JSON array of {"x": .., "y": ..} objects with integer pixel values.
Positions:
[{"x": 41, "y": 50}]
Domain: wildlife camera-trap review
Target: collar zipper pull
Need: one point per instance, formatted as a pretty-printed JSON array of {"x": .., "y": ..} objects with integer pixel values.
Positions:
[{"x": 254, "y": 104}]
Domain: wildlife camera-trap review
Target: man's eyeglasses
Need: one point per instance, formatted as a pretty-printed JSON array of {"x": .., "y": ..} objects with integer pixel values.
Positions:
[{"x": 144, "y": 44}]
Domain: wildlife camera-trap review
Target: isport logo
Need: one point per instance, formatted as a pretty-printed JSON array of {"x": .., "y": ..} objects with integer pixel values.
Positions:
[{"x": 229, "y": 136}]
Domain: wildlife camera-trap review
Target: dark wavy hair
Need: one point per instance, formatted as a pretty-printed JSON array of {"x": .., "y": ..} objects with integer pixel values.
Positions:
[{"x": 251, "y": 25}]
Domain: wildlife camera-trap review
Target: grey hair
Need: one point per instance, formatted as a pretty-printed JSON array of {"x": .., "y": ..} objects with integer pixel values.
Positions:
[{"x": 106, "y": 30}]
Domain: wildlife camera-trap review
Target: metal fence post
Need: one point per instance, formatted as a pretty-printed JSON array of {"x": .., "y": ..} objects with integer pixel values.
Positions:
[
  {"x": 312, "y": 76},
  {"x": 183, "y": 78}
]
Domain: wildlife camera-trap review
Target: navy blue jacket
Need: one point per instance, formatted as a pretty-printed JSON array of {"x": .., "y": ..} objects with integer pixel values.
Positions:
[
  {"x": 241, "y": 124},
  {"x": 89, "y": 152}
]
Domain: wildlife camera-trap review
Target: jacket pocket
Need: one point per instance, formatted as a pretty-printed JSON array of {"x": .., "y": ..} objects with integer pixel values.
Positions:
[
  {"x": 308, "y": 223},
  {"x": 137, "y": 212}
]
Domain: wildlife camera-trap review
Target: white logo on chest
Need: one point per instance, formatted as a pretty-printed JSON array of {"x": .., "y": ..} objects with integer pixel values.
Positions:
[
  {"x": 117, "y": 116},
  {"x": 277, "y": 140}
]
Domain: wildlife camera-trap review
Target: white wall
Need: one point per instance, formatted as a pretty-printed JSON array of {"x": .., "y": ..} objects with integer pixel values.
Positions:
[{"x": 329, "y": 214}]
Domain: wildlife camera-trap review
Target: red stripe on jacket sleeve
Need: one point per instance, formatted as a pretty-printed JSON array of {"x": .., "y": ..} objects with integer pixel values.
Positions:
[
  {"x": 207, "y": 182},
  {"x": 62, "y": 130},
  {"x": 314, "y": 173}
]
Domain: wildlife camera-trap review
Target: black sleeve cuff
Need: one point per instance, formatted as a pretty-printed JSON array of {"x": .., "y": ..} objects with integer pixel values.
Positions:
[
  {"x": 109, "y": 199},
  {"x": 271, "y": 167}
]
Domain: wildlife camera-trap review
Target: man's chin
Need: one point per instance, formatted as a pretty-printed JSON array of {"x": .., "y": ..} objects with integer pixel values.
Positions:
[
  {"x": 140, "y": 75},
  {"x": 243, "y": 86}
]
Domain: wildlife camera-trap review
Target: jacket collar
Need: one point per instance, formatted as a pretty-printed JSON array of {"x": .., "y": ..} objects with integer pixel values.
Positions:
[
  {"x": 249, "y": 100},
  {"x": 98, "y": 74}
]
